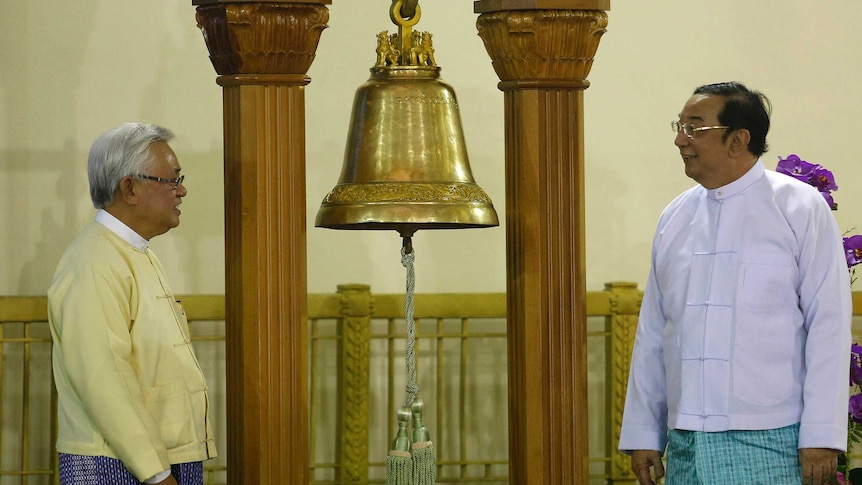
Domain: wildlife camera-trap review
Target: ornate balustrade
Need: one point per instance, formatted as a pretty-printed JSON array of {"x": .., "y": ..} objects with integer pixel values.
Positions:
[{"x": 356, "y": 380}]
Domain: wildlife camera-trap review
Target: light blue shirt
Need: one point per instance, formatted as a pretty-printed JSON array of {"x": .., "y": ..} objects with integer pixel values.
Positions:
[{"x": 745, "y": 321}]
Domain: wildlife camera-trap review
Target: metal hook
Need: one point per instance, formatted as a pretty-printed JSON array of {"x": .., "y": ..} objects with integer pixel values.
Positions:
[
  {"x": 408, "y": 8},
  {"x": 396, "y": 13}
]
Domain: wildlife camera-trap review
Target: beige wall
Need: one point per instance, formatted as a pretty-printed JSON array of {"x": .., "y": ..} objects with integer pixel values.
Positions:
[{"x": 70, "y": 70}]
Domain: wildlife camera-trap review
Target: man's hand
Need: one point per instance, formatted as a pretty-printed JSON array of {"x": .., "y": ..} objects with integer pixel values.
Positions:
[
  {"x": 818, "y": 465},
  {"x": 643, "y": 460}
]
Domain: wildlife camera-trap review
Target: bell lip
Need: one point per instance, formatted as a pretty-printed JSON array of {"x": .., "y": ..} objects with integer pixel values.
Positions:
[
  {"x": 405, "y": 216},
  {"x": 405, "y": 229},
  {"x": 399, "y": 226}
]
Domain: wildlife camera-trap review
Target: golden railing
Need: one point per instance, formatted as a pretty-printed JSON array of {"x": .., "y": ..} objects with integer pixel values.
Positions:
[{"x": 356, "y": 381}]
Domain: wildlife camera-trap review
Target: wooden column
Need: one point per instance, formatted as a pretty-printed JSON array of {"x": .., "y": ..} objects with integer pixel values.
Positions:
[
  {"x": 262, "y": 52},
  {"x": 542, "y": 51}
]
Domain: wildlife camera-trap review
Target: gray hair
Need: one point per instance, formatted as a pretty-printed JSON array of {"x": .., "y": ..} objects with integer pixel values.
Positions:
[{"x": 119, "y": 153}]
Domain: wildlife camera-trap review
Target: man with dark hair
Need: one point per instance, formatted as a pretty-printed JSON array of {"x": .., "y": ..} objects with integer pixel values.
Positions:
[
  {"x": 132, "y": 399},
  {"x": 741, "y": 357}
]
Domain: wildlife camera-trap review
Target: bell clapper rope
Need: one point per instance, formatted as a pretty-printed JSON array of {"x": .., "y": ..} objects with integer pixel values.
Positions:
[{"x": 421, "y": 458}]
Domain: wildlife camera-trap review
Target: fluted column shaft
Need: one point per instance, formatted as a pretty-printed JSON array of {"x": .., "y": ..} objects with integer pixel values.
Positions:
[
  {"x": 542, "y": 50},
  {"x": 262, "y": 52}
]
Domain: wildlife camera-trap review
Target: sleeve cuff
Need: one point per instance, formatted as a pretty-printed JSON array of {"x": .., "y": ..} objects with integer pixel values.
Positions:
[{"x": 159, "y": 477}]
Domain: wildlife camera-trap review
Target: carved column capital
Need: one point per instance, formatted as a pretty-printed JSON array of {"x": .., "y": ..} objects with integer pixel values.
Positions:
[
  {"x": 542, "y": 48},
  {"x": 261, "y": 38}
]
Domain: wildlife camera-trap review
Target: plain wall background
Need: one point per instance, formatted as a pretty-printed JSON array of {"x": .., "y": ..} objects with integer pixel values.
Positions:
[{"x": 71, "y": 70}]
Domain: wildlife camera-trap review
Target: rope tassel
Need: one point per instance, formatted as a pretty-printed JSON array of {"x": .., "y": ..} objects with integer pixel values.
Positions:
[
  {"x": 412, "y": 460},
  {"x": 399, "y": 468},
  {"x": 399, "y": 465},
  {"x": 424, "y": 456},
  {"x": 424, "y": 464},
  {"x": 418, "y": 466}
]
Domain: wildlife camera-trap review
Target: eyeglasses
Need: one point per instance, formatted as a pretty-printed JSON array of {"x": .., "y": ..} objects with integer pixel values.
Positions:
[
  {"x": 689, "y": 129},
  {"x": 176, "y": 182}
]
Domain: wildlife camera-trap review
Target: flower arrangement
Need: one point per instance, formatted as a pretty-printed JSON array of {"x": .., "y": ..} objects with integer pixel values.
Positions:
[
  {"x": 854, "y": 421},
  {"x": 810, "y": 173},
  {"x": 822, "y": 179}
]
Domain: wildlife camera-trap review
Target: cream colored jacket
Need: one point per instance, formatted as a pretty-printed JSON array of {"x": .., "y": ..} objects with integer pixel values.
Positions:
[{"x": 129, "y": 384}]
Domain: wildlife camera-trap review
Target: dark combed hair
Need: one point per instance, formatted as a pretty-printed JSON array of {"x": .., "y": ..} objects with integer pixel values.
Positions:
[{"x": 743, "y": 108}]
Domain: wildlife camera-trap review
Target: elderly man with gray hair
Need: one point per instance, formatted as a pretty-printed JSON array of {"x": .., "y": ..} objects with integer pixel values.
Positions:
[{"x": 133, "y": 405}]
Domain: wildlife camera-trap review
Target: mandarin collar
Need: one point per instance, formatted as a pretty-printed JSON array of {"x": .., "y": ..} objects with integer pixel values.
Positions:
[
  {"x": 739, "y": 185},
  {"x": 125, "y": 232}
]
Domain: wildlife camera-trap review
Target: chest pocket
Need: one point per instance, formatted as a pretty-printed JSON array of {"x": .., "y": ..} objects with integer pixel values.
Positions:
[{"x": 766, "y": 286}]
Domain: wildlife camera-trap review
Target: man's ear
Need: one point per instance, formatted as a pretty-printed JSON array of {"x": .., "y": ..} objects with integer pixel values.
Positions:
[
  {"x": 737, "y": 142},
  {"x": 128, "y": 191}
]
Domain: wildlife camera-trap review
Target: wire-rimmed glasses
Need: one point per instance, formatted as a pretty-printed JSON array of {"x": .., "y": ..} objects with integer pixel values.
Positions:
[{"x": 689, "y": 129}]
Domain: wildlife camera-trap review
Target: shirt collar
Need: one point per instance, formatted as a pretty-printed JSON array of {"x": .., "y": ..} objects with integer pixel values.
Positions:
[
  {"x": 125, "y": 232},
  {"x": 739, "y": 185}
]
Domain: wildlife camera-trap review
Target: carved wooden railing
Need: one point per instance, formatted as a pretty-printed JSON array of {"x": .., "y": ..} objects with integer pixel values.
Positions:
[
  {"x": 356, "y": 342},
  {"x": 614, "y": 316}
]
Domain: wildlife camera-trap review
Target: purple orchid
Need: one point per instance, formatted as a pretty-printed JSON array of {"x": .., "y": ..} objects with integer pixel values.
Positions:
[
  {"x": 823, "y": 180},
  {"x": 855, "y": 407},
  {"x": 811, "y": 173},
  {"x": 829, "y": 200},
  {"x": 855, "y": 364},
  {"x": 853, "y": 250},
  {"x": 796, "y": 168}
]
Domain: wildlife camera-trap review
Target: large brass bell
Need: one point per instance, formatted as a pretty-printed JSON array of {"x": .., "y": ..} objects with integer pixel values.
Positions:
[{"x": 405, "y": 163}]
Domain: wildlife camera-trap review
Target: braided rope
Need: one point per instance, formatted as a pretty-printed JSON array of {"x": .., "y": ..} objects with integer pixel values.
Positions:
[
  {"x": 422, "y": 459},
  {"x": 407, "y": 259}
]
